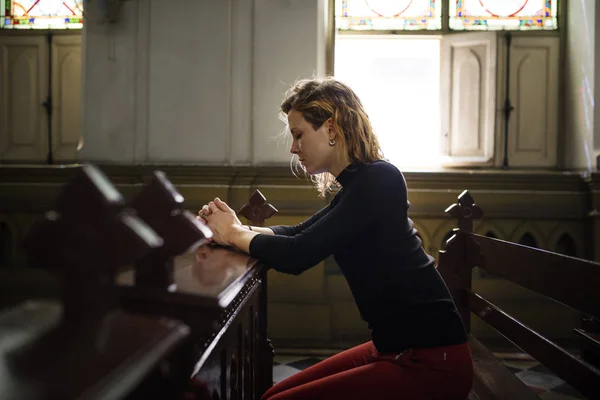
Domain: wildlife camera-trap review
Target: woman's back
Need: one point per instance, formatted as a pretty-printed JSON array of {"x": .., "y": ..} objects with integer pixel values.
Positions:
[{"x": 392, "y": 278}]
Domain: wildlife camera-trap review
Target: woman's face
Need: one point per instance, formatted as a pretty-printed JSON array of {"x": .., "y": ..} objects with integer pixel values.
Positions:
[{"x": 311, "y": 146}]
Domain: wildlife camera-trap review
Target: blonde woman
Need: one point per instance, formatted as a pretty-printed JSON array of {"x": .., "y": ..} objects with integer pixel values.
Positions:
[{"x": 419, "y": 346}]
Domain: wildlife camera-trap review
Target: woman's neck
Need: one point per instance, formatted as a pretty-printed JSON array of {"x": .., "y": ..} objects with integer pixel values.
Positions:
[{"x": 339, "y": 166}]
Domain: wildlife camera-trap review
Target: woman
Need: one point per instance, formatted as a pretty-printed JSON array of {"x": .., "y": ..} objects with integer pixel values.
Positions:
[{"x": 419, "y": 346}]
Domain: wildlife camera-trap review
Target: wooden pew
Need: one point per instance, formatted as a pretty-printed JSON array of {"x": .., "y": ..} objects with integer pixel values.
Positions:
[
  {"x": 568, "y": 280},
  {"x": 218, "y": 292},
  {"x": 83, "y": 346}
]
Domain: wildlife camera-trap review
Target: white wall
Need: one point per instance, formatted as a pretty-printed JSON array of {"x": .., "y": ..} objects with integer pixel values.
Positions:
[
  {"x": 196, "y": 82},
  {"x": 580, "y": 66},
  {"x": 289, "y": 44}
]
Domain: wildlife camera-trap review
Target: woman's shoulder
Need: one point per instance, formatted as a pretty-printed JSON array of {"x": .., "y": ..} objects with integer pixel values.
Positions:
[
  {"x": 382, "y": 169},
  {"x": 382, "y": 180},
  {"x": 381, "y": 174}
]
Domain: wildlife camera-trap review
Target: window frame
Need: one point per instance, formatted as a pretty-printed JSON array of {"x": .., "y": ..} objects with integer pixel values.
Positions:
[
  {"x": 498, "y": 138},
  {"x": 75, "y": 27}
]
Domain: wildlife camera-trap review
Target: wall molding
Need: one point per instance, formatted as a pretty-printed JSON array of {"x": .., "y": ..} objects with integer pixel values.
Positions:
[{"x": 502, "y": 194}]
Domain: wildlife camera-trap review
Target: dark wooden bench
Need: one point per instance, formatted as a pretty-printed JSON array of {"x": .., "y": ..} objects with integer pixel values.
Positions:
[
  {"x": 188, "y": 320},
  {"x": 83, "y": 345},
  {"x": 570, "y": 281}
]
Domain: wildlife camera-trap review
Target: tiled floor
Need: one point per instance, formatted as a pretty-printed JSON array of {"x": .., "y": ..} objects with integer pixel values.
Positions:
[
  {"x": 536, "y": 376},
  {"x": 541, "y": 380}
]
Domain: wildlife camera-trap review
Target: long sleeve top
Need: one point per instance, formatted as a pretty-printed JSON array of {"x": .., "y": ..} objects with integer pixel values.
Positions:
[{"x": 395, "y": 284}]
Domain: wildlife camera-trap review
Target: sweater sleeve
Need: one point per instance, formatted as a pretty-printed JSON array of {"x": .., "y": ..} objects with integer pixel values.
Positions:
[
  {"x": 292, "y": 230},
  {"x": 356, "y": 212}
]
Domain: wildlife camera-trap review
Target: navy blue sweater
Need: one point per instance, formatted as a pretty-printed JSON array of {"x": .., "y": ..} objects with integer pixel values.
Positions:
[{"x": 397, "y": 289}]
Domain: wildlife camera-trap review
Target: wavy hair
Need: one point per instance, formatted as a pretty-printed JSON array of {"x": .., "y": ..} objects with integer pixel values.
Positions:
[{"x": 320, "y": 99}]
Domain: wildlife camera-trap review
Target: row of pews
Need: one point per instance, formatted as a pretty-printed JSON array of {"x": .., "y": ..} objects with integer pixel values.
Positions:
[{"x": 148, "y": 309}]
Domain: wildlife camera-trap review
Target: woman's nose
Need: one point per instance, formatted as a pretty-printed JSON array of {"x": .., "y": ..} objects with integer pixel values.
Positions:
[{"x": 294, "y": 148}]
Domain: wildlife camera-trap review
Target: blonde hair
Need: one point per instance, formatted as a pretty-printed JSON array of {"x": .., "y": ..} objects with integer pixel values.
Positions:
[{"x": 320, "y": 99}]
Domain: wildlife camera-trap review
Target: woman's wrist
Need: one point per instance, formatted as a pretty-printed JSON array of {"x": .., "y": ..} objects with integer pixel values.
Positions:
[
  {"x": 233, "y": 232},
  {"x": 239, "y": 237}
]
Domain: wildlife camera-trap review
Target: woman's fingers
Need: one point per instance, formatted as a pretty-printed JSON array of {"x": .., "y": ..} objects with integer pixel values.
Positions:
[
  {"x": 222, "y": 205},
  {"x": 213, "y": 206},
  {"x": 204, "y": 212}
]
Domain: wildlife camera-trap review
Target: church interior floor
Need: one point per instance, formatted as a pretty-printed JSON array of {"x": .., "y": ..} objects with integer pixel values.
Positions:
[{"x": 533, "y": 374}]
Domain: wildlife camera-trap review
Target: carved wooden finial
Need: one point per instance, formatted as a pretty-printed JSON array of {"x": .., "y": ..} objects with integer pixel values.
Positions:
[
  {"x": 257, "y": 210},
  {"x": 86, "y": 239},
  {"x": 160, "y": 205},
  {"x": 465, "y": 210}
]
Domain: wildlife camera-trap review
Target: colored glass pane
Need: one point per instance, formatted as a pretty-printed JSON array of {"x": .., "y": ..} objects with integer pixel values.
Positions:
[
  {"x": 41, "y": 14},
  {"x": 359, "y": 15},
  {"x": 503, "y": 14}
]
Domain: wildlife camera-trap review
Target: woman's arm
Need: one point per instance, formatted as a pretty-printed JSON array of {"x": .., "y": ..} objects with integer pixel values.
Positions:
[
  {"x": 260, "y": 229},
  {"x": 240, "y": 238},
  {"x": 292, "y": 230},
  {"x": 295, "y": 254},
  {"x": 285, "y": 230},
  {"x": 369, "y": 201}
]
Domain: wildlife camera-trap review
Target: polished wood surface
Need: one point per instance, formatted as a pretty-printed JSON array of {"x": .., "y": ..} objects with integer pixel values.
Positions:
[
  {"x": 211, "y": 271},
  {"x": 114, "y": 357},
  {"x": 206, "y": 284}
]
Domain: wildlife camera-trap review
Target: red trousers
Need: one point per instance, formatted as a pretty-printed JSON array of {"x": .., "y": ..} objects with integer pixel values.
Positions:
[{"x": 442, "y": 373}]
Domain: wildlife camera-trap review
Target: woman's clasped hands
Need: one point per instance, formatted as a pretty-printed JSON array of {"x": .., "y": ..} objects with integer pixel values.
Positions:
[{"x": 221, "y": 219}]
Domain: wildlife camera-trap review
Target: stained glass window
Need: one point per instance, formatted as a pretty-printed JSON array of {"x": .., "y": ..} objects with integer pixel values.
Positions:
[
  {"x": 388, "y": 14},
  {"x": 41, "y": 14},
  {"x": 503, "y": 14}
]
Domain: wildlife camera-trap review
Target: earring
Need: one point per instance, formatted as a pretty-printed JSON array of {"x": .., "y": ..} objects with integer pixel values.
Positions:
[{"x": 331, "y": 142}]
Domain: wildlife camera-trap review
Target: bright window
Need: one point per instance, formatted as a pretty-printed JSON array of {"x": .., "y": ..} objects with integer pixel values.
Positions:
[{"x": 398, "y": 81}]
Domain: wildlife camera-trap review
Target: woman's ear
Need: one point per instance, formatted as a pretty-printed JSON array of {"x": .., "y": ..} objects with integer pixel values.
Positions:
[{"x": 330, "y": 130}]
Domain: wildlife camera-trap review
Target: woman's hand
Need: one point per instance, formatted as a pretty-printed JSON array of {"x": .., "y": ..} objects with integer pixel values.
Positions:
[
  {"x": 202, "y": 214},
  {"x": 221, "y": 219}
]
